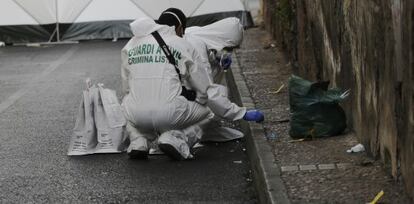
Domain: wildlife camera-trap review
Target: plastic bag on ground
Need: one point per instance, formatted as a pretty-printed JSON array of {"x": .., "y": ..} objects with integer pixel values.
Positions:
[
  {"x": 357, "y": 148},
  {"x": 315, "y": 111}
]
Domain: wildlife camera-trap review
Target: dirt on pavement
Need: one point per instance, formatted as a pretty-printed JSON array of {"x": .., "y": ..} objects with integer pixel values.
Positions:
[{"x": 316, "y": 171}]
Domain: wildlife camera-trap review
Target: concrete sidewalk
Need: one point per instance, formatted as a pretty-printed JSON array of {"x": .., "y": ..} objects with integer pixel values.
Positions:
[{"x": 317, "y": 171}]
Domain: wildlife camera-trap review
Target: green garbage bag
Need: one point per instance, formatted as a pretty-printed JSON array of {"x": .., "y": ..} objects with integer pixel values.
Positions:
[{"x": 315, "y": 111}]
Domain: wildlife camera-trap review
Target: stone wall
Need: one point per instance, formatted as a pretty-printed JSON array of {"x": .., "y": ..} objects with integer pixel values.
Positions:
[{"x": 366, "y": 46}]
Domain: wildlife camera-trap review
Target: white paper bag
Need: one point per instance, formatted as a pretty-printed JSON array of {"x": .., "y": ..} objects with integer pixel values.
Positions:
[
  {"x": 109, "y": 121},
  {"x": 100, "y": 123},
  {"x": 83, "y": 140}
]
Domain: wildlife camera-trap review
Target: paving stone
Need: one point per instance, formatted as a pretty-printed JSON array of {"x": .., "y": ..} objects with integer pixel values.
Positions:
[
  {"x": 307, "y": 167},
  {"x": 289, "y": 168},
  {"x": 326, "y": 166},
  {"x": 343, "y": 165},
  {"x": 249, "y": 105},
  {"x": 247, "y": 99},
  {"x": 238, "y": 77}
]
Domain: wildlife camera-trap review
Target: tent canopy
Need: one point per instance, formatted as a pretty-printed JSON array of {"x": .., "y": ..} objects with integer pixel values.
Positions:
[{"x": 41, "y": 20}]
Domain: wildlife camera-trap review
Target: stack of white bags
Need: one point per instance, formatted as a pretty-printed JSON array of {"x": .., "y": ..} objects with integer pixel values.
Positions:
[{"x": 99, "y": 123}]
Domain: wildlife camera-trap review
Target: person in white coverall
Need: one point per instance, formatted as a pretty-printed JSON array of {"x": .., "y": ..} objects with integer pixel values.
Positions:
[
  {"x": 153, "y": 104},
  {"x": 212, "y": 42}
]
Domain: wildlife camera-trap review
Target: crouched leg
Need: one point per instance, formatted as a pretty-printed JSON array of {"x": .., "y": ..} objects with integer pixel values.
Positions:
[{"x": 138, "y": 147}]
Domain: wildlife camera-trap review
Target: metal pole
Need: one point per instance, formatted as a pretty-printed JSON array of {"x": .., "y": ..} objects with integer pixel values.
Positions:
[{"x": 57, "y": 22}]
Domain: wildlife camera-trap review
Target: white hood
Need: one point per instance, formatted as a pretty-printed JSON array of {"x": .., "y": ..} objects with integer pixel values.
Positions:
[
  {"x": 224, "y": 33},
  {"x": 144, "y": 26}
]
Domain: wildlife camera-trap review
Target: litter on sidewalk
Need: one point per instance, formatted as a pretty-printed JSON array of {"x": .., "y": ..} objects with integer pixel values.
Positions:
[
  {"x": 377, "y": 197},
  {"x": 278, "y": 90},
  {"x": 272, "y": 136},
  {"x": 298, "y": 140},
  {"x": 315, "y": 111},
  {"x": 270, "y": 45},
  {"x": 357, "y": 148}
]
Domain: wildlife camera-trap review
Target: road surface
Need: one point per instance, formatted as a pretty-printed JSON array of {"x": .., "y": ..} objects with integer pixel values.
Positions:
[{"x": 40, "y": 91}]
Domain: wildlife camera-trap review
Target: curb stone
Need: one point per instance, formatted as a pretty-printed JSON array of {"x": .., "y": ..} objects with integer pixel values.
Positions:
[{"x": 266, "y": 173}]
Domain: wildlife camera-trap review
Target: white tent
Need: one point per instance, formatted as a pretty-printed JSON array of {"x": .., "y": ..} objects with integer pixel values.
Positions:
[
  {"x": 46, "y": 20},
  {"x": 26, "y": 18},
  {"x": 99, "y": 19}
]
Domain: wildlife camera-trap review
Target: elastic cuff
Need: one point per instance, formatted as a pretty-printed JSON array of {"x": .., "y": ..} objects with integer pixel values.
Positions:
[{"x": 241, "y": 113}]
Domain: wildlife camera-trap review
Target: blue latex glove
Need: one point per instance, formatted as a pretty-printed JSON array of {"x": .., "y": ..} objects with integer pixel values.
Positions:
[
  {"x": 254, "y": 115},
  {"x": 225, "y": 61}
]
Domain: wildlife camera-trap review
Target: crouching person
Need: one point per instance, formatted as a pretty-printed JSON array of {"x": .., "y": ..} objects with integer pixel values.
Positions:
[
  {"x": 153, "y": 103},
  {"x": 165, "y": 88}
]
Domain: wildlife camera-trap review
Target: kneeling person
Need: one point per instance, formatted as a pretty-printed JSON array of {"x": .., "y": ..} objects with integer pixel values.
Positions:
[{"x": 154, "y": 105}]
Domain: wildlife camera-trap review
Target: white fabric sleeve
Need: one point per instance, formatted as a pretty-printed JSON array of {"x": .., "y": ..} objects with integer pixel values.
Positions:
[
  {"x": 124, "y": 72},
  {"x": 220, "y": 104},
  {"x": 198, "y": 78},
  {"x": 214, "y": 95},
  {"x": 201, "y": 48}
]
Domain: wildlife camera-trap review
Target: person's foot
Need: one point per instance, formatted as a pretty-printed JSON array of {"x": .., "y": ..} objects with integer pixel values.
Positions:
[
  {"x": 175, "y": 148},
  {"x": 138, "y": 149},
  {"x": 171, "y": 151}
]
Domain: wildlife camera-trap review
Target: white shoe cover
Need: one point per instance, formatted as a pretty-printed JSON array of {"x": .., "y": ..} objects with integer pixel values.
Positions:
[
  {"x": 171, "y": 144},
  {"x": 139, "y": 144}
]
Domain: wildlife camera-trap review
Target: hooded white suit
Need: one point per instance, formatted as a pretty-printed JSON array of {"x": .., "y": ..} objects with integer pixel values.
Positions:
[
  {"x": 216, "y": 36},
  {"x": 152, "y": 103}
]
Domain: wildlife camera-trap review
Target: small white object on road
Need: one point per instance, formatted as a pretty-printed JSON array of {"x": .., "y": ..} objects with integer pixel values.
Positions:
[
  {"x": 237, "y": 162},
  {"x": 155, "y": 151},
  {"x": 198, "y": 145},
  {"x": 356, "y": 148}
]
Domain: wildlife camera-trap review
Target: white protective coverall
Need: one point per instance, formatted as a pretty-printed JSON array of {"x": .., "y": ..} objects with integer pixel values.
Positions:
[
  {"x": 152, "y": 103},
  {"x": 216, "y": 36}
]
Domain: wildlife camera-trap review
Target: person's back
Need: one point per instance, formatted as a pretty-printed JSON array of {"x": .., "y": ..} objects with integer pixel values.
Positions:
[
  {"x": 151, "y": 76},
  {"x": 152, "y": 82}
]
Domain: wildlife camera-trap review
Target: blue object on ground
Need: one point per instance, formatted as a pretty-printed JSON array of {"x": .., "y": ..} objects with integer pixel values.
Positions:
[{"x": 254, "y": 115}]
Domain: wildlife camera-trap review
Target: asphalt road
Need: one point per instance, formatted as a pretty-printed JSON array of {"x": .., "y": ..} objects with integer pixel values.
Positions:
[{"x": 40, "y": 91}]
